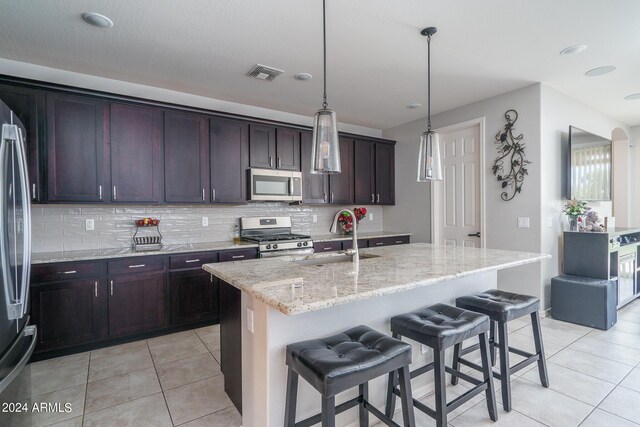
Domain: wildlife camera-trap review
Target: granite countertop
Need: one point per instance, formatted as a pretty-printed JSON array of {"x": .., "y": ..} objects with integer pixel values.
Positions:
[
  {"x": 294, "y": 288},
  {"x": 65, "y": 256},
  {"x": 329, "y": 237}
]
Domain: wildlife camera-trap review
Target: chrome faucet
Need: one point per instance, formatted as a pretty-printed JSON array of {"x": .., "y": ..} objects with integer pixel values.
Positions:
[{"x": 355, "y": 257}]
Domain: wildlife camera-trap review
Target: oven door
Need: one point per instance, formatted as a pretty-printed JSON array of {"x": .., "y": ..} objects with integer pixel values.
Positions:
[
  {"x": 272, "y": 185},
  {"x": 287, "y": 252}
]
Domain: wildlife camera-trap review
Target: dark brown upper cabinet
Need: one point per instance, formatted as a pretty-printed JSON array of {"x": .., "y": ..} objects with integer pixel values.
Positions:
[
  {"x": 229, "y": 160},
  {"x": 274, "y": 148},
  {"x": 341, "y": 188},
  {"x": 186, "y": 158},
  {"x": 136, "y": 154},
  {"x": 374, "y": 173},
  {"x": 24, "y": 102},
  {"x": 315, "y": 187},
  {"x": 77, "y": 149}
]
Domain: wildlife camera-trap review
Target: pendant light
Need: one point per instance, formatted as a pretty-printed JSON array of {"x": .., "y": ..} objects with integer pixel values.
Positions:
[
  {"x": 429, "y": 163},
  {"x": 325, "y": 155}
]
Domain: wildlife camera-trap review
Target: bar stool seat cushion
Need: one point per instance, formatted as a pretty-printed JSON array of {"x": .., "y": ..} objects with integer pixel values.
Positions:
[
  {"x": 440, "y": 326},
  {"x": 340, "y": 362},
  {"x": 500, "y": 306}
]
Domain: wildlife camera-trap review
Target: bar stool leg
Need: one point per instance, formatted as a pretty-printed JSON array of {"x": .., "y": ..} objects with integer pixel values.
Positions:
[
  {"x": 407, "y": 398},
  {"x": 492, "y": 341},
  {"x": 537, "y": 338},
  {"x": 291, "y": 399},
  {"x": 488, "y": 377},
  {"x": 440, "y": 385},
  {"x": 505, "y": 370},
  {"x": 328, "y": 411},
  {"x": 455, "y": 365},
  {"x": 363, "y": 413},
  {"x": 390, "y": 407}
]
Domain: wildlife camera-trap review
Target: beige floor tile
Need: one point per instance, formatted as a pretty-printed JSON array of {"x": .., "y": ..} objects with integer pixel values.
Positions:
[
  {"x": 57, "y": 378},
  {"x": 150, "y": 411},
  {"x": 631, "y": 315},
  {"x": 229, "y": 417},
  {"x": 72, "y": 395},
  {"x": 561, "y": 333},
  {"x": 623, "y": 402},
  {"x": 74, "y": 422},
  {"x": 197, "y": 399},
  {"x": 452, "y": 393},
  {"x": 617, "y": 353},
  {"x": 595, "y": 366},
  {"x": 600, "y": 418},
  {"x": 522, "y": 322},
  {"x": 171, "y": 338},
  {"x": 632, "y": 380},
  {"x": 176, "y": 350},
  {"x": 478, "y": 416},
  {"x": 211, "y": 340},
  {"x": 617, "y": 337},
  {"x": 185, "y": 371},
  {"x": 73, "y": 359},
  {"x": 216, "y": 355},
  {"x": 627, "y": 326},
  {"x": 121, "y": 388},
  {"x": 212, "y": 329},
  {"x": 116, "y": 350},
  {"x": 547, "y": 406},
  {"x": 106, "y": 367},
  {"x": 582, "y": 387}
]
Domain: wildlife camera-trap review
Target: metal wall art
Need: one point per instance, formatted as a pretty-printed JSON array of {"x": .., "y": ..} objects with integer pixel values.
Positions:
[{"x": 510, "y": 167}]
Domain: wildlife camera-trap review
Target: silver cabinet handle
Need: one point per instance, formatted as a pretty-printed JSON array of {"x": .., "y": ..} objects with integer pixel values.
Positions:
[
  {"x": 115, "y": 193},
  {"x": 137, "y": 266},
  {"x": 95, "y": 289},
  {"x": 192, "y": 260},
  {"x": 203, "y": 194},
  {"x": 237, "y": 256},
  {"x": 331, "y": 200},
  {"x": 279, "y": 162},
  {"x": 33, "y": 191},
  {"x": 372, "y": 198},
  {"x": 327, "y": 248},
  {"x": 68, "y": 272},
  {"x": 324, "y": 197},
  {"x": 379, "y": 243},
  {"x": 213, "y": 194},
  {"x": 100, "y": 191},
  {"x": 270, "y": 161},
  {"x": 378, "y": 198},
  {"x": 398, "y": 241},
  {"x": 211, "y": 278},
  {"x": 111, "y": 287}
]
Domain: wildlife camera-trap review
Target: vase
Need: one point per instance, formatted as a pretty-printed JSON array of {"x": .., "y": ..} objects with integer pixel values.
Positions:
[{"x": 573, "y": 223}]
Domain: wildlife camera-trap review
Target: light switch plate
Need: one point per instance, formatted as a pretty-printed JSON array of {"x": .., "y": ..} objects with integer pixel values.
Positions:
[
  {"x": 371, "y": 217},
  {"x": 523, "y": 222},
  {"x": 315, "y": 218},
  {"x": 250, "y": 320},
  {"x": 205, "y": 221},
  {"x": 89, "y": 224}
]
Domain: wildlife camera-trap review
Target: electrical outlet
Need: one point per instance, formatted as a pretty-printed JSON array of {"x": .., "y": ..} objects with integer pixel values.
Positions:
[
  {"x": 315, "y": 218},
  {"x": 423, "y": 349},
  {"x": 523, "y": 222},
  {"x": 89, "y": 224},
  {"x": 250, "y": 320},
  {"x": 205, "y": 221},
  {"x": 371, "y": 217}
]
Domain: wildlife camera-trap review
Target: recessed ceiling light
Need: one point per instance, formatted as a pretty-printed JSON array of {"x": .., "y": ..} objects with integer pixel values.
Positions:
[
  {"x": 303, "y": 76},
  {"x": 632, "y": 97},
  {"x": 97, "y": 20},
  {"x": 414, "y": 105},
  {"x": 572, "y": 50},
  {"x": 600, "y": 71}
]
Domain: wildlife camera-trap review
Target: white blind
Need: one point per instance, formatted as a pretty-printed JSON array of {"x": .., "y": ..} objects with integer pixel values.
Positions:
[{"x": 591, "y": 173}]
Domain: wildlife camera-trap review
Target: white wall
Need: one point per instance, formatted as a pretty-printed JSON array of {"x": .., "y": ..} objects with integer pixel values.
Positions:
[
  {"x": 635, "y": 175},
  {"x": 412, "y": 209}
]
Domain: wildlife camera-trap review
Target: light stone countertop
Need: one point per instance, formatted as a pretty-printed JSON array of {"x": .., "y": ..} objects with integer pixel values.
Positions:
[
  {"x": 293, "y": 288},
  {"x": 329, "y": 237}
]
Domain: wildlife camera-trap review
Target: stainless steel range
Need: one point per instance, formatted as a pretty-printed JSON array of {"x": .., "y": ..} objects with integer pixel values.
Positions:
[{"x": 274, "y": 236}]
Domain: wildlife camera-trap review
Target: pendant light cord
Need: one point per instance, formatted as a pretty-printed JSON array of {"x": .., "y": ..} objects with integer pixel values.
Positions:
[
  {"x": 324, "y": 49},
  {"x": 428, "y": 83}
]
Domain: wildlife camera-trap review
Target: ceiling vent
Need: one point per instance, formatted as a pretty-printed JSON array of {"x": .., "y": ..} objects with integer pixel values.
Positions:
[{"x": 263, "y": 72}]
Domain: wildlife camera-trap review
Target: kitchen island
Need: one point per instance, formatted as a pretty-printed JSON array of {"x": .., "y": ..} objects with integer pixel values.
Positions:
[{"x": 290, "y": 299}]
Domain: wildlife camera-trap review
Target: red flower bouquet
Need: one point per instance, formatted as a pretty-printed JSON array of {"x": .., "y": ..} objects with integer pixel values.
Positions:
[{"x": 346, "y": 220}]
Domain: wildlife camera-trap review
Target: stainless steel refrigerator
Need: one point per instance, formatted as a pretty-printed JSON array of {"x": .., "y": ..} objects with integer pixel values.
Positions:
[{"x": 17, "y": 337}]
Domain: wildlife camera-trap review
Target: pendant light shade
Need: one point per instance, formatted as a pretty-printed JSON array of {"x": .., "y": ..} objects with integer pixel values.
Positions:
[
  {"x": 325, "y": 155},
  {"x": 429, "y": 162}
]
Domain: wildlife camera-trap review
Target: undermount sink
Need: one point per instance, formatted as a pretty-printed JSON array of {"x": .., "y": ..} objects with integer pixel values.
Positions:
[{"x": 332, "y": 259}]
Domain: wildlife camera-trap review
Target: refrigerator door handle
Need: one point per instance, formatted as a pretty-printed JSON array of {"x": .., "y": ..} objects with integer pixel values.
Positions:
[
  {"x": 7, "y": 133},
  {"x": 31, "y": 331},
  {"x": 26, "y": 224}
]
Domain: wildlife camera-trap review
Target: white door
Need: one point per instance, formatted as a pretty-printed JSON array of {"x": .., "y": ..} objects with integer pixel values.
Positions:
[{"x": 457, "y": 200}]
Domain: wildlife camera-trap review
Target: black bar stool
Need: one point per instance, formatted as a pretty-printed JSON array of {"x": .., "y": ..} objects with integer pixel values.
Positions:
[
  {"x": 502, "y": 307},
  {"x": 439, "y": 327},
  {"x": 340, "y": 362}
]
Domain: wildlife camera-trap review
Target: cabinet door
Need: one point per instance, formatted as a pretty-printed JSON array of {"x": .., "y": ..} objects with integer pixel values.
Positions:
[
  {"x": 364, "y": 172},
  {"x": 67, "y": 313},
  {"x": 288, "y": 149},
  {"x": 194, "y": 296},
  {"x": 186, "y": 158},
  {"x": 229, "y": 160},
  {"x": 314, "y": 186},
  {"x": 24, "y": 103},
  {"x": 136, "y": 161},
  {"x": 262, "y": 146},
  {"x": 77, "y": 163},
  {"x": 136, "y": 303},
  {"x": 385, "y": 174},
  {"x": 341, "y": 185}
]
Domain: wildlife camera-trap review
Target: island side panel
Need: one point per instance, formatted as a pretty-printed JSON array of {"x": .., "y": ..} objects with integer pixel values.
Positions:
[{"x": 263, "y": 352}]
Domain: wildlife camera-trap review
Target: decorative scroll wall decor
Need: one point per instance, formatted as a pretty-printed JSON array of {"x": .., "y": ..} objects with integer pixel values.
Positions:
[{"x": 510, "y": 167}]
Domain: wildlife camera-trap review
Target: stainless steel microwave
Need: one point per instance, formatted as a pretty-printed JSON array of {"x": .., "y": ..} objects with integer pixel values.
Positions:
[{"x": 269, "y": 185}]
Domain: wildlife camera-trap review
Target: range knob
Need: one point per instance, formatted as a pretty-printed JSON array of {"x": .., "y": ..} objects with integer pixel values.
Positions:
[
  {"x": 275, "y": 246},
  {"x": 305, "y": 244},
  {"x": 268, "y": 246},
  {"x": 299, "y": 244}
]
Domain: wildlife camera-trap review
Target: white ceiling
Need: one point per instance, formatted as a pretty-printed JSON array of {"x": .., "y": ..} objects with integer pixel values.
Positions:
[{"x": 376, "y": 56}]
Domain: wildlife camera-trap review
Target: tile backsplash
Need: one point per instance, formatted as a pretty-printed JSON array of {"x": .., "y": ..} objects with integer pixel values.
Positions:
[{"x": 62, "y": 227}]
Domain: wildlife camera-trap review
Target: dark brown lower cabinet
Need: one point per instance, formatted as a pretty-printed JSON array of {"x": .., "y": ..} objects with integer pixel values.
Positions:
[
  {"x": 136, "y": 303},
  {"x": 67, "y": 313},
  {"x": 231, "y": 342},
  {"x": 194, "y": 296}
]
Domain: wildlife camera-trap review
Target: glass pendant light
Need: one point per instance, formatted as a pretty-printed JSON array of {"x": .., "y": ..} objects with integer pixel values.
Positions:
[
  {"x": 429, "y": 163},
  {"x": 325, "y": 155}
]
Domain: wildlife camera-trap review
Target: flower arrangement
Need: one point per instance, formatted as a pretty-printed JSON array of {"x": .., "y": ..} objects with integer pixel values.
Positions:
[
  {"x": 575, "y": 209},
  {"x": 346, "y": 220}
]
